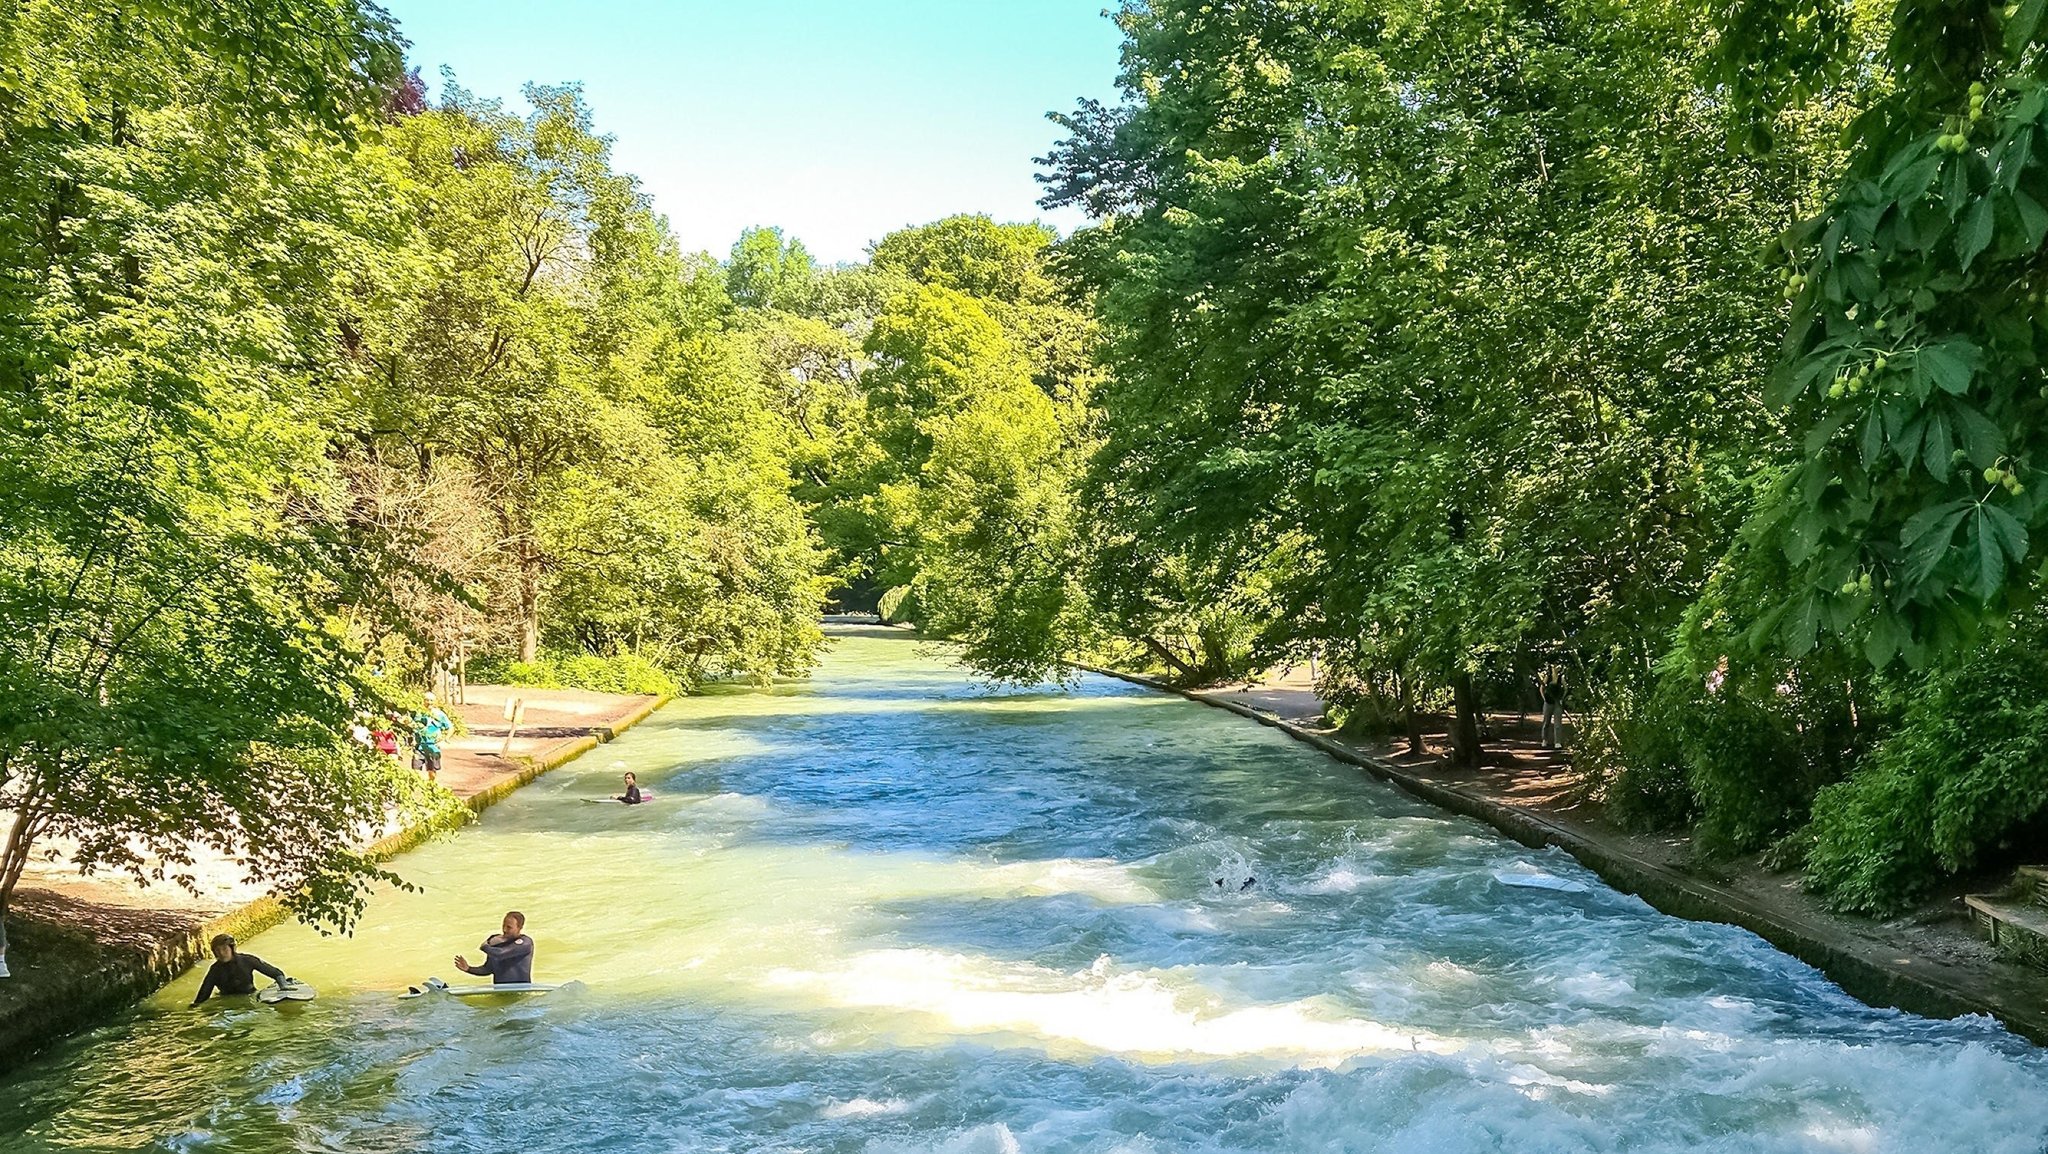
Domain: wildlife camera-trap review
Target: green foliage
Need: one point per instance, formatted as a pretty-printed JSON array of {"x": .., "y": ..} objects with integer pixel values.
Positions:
[
  {"x": 898, "y": 604},
  {"x": 542, "y": 337},
  {"x": 1434, "y": 330},
  {"x": 1962, "y": 775},
  {"x": 973, "y": 256},
  {"x": 1913, "y": 365},
  {"x": 1756, "y": 748},
  {"x": 301, "y": 378},
  {"x": 955, "y": 444},
  {"x": 1633, "y": 758},
  {"x": 179, "y": 232},
  {"x": 1439, "y": 338},
  {"x": 768, "y": 272},
  {"x": 554, "y": 669}
]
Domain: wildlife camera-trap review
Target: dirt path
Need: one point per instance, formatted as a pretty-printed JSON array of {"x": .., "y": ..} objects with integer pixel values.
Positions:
[
  {"x": 82, "y": 946},
  {"x": 1931, "y": 961}
]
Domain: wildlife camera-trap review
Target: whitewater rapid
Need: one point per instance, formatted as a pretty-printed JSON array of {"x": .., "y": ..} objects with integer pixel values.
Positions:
[{"x": 891, "y": 910}]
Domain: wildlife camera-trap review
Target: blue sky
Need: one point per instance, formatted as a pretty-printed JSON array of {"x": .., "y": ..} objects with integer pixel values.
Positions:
[{"x": 838, "y": 120}]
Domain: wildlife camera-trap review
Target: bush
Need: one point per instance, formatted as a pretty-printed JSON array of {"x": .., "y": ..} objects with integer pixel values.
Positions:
[
  {"x": 1631, "y": 757},
  {"x": 1750, "y": 762},
  {"x": 554, "y": 669},
  {"x": 899, "y": 604},
  {"x": 1739, "y": 753},
  {"x": 1964, "y": 770}
]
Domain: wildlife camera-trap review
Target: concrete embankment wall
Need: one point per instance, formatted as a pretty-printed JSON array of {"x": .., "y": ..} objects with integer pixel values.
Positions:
[
  {"x": 1880, "y": 977},
  {"x": 124, "y": 976}
]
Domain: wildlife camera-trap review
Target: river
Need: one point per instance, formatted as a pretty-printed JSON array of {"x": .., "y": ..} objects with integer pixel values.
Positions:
[{"x": 891, "y": 910}]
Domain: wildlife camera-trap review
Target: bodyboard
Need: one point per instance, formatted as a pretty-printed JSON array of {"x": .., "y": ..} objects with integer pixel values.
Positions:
[{"x": 286, "y": 992}]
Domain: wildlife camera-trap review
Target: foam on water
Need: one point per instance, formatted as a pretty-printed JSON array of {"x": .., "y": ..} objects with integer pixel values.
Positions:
[{"x": 892, "y": 910}]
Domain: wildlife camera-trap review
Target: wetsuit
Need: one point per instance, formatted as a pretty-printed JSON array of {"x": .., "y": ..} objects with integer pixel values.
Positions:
[
  {"x": 632, "y": 796},
  {"x": 506, "y": 960},
  {"x": 237, "y": 975}
]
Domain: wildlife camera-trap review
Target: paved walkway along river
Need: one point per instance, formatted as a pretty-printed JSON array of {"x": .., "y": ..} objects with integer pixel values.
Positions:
[{"x": 890, "y": 910}]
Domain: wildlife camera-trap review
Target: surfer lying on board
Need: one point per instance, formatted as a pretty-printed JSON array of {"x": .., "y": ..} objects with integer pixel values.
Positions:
[
  {"x": 508, "y": 956},
  {"x": 232, "y": 972},
  {"x": 632, "y": 794}
]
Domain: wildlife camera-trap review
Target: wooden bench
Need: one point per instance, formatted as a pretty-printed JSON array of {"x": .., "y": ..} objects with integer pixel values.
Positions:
[{"x": 2016, "y": 921}]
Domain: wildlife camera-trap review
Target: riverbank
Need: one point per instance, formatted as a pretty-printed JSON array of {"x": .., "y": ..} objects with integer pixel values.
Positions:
[
  {"x": 83, "y": 947},
  {"x": 1931, "y": 964}
]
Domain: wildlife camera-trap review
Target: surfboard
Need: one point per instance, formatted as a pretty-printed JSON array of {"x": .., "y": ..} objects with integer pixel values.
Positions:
[
  {"x": 291, "y": 991},
  {"x": 437, "y": 986},
  {"x": 646, "y": 795}
]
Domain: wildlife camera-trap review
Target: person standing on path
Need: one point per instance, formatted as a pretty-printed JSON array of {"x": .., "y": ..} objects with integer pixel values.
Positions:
[
  {"x": 428, "y": 726},
  {"x": 508, "y": 954},
  {"x": 1550, "y": 684}
]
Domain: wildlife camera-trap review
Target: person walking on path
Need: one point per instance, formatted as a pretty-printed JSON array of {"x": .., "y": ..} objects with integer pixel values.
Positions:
[
  {"x": 1550, "y": 684},
  {"x": 428, "y": 726},
  {"x": 508, "y": 954}
]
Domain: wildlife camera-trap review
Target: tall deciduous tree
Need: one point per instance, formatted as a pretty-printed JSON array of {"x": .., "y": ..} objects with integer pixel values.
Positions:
[
  {"x": 177, "y": 241},
  {"x": 1432, "y": 328}
]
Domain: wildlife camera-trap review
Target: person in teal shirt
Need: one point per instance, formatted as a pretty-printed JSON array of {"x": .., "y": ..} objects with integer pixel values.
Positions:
[{"x": 428, "y": 726}]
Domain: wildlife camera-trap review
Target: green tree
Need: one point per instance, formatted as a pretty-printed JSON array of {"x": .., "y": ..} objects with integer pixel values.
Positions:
[
  {"x": 768, "y": 272},
  {"x": 176, "y": 246},
  {"x": 1438, "y": 323},
  {"x": 971, "y": 504},
  {"x": 1912, "y": 371}
]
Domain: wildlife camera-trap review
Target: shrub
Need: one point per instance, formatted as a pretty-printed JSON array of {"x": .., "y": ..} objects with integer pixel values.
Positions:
[
  {"x": 555, "y": 669},
  {"x": 899, "y": 604},
  {"x": 1740, "y": 752},
  {"x": 1964, "y": 769},
  {"x": 1632, "y": 759}
]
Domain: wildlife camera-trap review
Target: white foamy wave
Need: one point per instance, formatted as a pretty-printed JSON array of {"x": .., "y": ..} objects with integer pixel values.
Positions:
[
  {"x": 995, "y": 1139},
  {"x": 1104, "y": 880},
  {"x": 1148, "y": 1014},
  {"x": 865, "y": 1108},
  {"x": 1342, "y": 879},
  {"x": 1443, "y": 971},
  {"x": 732, "y": 804}
]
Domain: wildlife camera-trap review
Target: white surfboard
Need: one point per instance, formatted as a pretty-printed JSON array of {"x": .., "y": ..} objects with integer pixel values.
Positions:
[
  {"x": 290, "y": 990},
  {"x": 646, "y": 795},
  {"x": 437, "y": 986}
]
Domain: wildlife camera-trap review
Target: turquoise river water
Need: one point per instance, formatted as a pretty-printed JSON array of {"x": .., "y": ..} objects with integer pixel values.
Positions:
[{"x": 891, "y": 910}]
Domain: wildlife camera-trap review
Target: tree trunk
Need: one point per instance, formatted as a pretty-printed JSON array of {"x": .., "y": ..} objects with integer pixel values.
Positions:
[
  {"x": 1160, "y": 650},
  {"x": 1411, "y": 717},
  {"x": 1464, "y": 721},
  {"x": 21, "y": 839},
  {"x": 1215, "y": 655},
  {"x": 529, "y": 610}
]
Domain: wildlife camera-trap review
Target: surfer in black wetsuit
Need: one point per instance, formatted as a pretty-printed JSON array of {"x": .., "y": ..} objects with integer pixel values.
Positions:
[
  {"x": 508, "y": 955},
  {"x": 632, "y": 794},
  {"x": 233, "y": 972}
]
